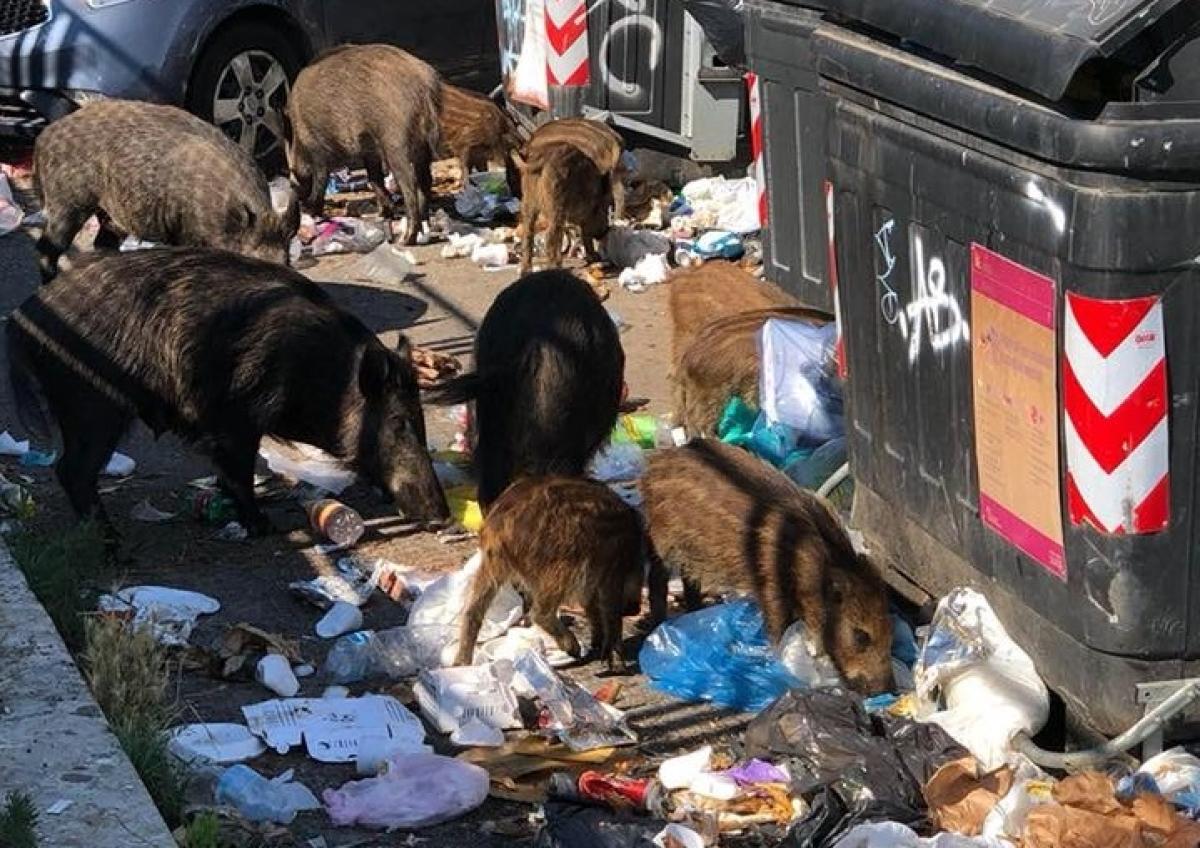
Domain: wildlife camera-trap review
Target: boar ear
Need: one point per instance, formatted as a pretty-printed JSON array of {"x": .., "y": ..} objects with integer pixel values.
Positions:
[
  {"x": 239, "y": 219},
  {"x": 374, "y": 371}
]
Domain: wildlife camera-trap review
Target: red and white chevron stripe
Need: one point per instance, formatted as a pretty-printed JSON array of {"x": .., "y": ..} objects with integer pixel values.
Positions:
[
  {"x": 756, "y": 145},
  {"x": 1116, "y": 426},
  {"x": 831, "y": 256},
  {"x": 567, "y": 42}
]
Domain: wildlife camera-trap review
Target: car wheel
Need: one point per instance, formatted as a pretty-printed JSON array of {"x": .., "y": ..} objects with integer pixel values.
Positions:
[{"x": 241, "y": 84}]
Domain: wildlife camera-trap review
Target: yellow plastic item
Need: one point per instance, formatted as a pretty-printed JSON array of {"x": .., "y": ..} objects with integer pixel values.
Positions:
[{"x": 465, "y": 508}]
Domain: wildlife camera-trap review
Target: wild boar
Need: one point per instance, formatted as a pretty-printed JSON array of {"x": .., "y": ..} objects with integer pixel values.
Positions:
[
  {"x": 600, "y": 142},
  {"x": 221, "y": 350},
  {"x": 477, "y": 132},
  {"x": 156, "y": 172},
  {"x": 730, "y": 521},
  {"x": 369, "y": 105},
  {"x": 723, "y": 361},
  {"x": 714, "y": 290},
  {"x": 547, "y": 384},
  {"x": 562, "y": 183},
  {"x": 560, "y": 539}
]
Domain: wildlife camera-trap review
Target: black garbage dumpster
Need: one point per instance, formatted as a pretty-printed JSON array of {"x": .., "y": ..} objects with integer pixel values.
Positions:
[{"x": 1013, "y": 190}]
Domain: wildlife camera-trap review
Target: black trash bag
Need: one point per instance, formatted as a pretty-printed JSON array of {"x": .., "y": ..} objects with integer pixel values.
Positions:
[
  {"x": 830, "y": 818},
  {"x": 578, "y": 826},
  {"x": 723, "y": 25},
  {"x": 827, "y": 738}
]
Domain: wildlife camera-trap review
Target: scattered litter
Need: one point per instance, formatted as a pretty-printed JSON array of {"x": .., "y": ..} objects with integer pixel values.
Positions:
[
  {"x": 349, "y": 586},
  {"x": 626, "y": 247},
  {"x": 453, "y": 697},
  {"x": 714, "y": 244},
  {"x": 341, "y": 618},
  {"x": 575, "y": 825},
  {"x": 679, "y": 772},
  {"x": 214, "y": 743},
  {"x": 232, "y": 532},
  {"x": 306, "y": 464},
  {"x": 11, "y": 447},
  {"x": 261, "y": 800},
  {"x": 721, "y": 204},
  {"x": 119, "y": 465},
  {"x": 169, "y": 613},
  {"x": 242, "y": 645},
  {"x": 133, "y": 243},
  {"x": 146, "y": 512},
  {"x": 568, "y": 710},
  {"x": 617, "y": 461},
  {"x": 798, "y": 383},
  {"x": 38, "y": 459},
  {"x": 347, "y": 235},
  {"x": 433, "y": 366},
  {"x": 303, "y": 671},
  {"x": 59, "y": 807},
  {"x": 649, "y": 271},
  {"x": 386, "y": 264},
  {"x": 11, "y": 213},
  {"x": 491, "y": 256},
  {"x": 461, "y": 245},
  {"x": 16, "y": 501},
  {"x": 396, "y": 652},
  {"x": 989, "y": 687},
  {"x": 275, "y": 672},
  {"x": 484, "y": 196},
  {"x": 1176, "y": 775},
  {"x": 340, "y": 524},
  {"x": 516, "y": 641},
  {"x": 720, "y": 654},
  {"x": 416, "y": 790},
  {"x": 212, "y": 506},
  {"x": 474, "y": 733},
  {"x": 896, "y": 835},
  {"x": 814, "y": 669},
  {"x": 443, "y": 601},
  {"x": 464, "y": 508},
  {"x": 331, "y": 728},
  {"x": 335, "y": 692}
]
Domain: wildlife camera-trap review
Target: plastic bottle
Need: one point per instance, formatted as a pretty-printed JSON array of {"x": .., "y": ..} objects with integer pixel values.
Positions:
[
  {"x": 261, "y": 800},
  {"x": 336, "y": 522},
  {"x": 352, "y": 658},
  {"x": 213, "y": 507},
  {"x": 396, "y": 652}
]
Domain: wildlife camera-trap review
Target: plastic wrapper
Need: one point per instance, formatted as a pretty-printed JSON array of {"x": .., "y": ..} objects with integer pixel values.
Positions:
[
  {"x": 416, "y": 790},
  {"x": 617, "y": 461},
  {"x": 989, "y": 687},
  {"x": 744, "y": 426},
  {"x": 625, "y": 247},
  {"x": 443, "y": 601},
  {"x": 723, "y": 22},
  {"x": 797, "y": 383},
  {"x": 577, "y": 826},
  {"x": 570, "y": 712},
  {"x": 831, "y": 818},
  {"x": 1176, "y": 773},
  {"x": 720, "y": 654},
  {"x": 825, "y": 737}
]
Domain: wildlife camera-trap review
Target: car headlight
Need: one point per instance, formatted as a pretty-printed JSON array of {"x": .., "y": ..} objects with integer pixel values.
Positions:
[{"x": 101, "y": 4}]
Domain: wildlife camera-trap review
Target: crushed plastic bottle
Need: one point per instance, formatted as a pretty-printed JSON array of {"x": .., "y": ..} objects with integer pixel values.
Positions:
[
  {"x": 261, "y": 800},
  {"x": 394, "y": 653},
  {"x": 212, "y": 507}
]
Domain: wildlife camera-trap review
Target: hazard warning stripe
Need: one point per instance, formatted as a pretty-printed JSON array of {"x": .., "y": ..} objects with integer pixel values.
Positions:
[
  {"x": 756, "y": 145},
  {"x": 566, "y": 38},
  {"x": 1116, "y": 421}
]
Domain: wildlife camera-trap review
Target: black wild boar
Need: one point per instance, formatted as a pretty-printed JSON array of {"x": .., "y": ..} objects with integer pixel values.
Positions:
[
  {"x": 158, "y": 173},
  {"x": 477, "y": 132},
  {"x": 548, "y": 382},
  {"x": 222, "y": 350},
  {"x": 730, "y": 521},
  {"x": 369, "y": 105},
  {"x": 561, "y": 539},
  {"x": 562, "y": 183}
]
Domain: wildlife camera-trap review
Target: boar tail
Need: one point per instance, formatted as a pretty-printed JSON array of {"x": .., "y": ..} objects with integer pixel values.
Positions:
[
  {"x": 31, "y": 409},
  {"x": 461, "y": 389}
]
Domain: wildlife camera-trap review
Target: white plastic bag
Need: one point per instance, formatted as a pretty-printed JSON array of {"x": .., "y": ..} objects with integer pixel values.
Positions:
[
  {"x": 1007, "y": 819},
  {"x": 417, "y": 790},
  {"x": 169, "y": 613},
  {"x": 799, "y": 656},
  {"x": 529, "y": 85},
  {"x": 443, "y": 601},
  {"x": 1177, "y": 775},
  {"x": 895, "y": 835},
  {"x": 796, "y": 382},
  {"x": 990, "y": 688}
]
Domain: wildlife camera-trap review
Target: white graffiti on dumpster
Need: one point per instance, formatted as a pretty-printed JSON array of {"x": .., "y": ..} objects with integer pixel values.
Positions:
[
  {"x": 889, "y": 301},
  {"x": 933, "y": 312},
  {"x": 638, "y": 20}
]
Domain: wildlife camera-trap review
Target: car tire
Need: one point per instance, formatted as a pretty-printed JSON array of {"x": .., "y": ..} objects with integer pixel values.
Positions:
[{"x": 236, "y": 85}]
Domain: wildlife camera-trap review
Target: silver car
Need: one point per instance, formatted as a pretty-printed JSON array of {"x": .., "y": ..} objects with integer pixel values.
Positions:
[{"x": 228, "y": 61}]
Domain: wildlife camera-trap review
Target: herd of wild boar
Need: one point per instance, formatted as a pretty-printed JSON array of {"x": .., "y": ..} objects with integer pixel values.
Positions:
[{"x": 215, "y": 339}]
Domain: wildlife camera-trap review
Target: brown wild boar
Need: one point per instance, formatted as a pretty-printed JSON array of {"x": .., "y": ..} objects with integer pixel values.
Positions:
[
  {"x": 547, "y": 385},
  {"x": 600, "y": 142},
  {"x": 730, "y": 521},
  {"x": 562, "y": 183},
  {"x": 723, "y": 361},
  {"x": 369, "y": 105},
  {"x": 476, "y": 132},
  {"x": 156, "y": 172},
  {"x": 561, "y": 540},
  {"x": 221, "y": 350},
  {"x": 714, "y": 290}
]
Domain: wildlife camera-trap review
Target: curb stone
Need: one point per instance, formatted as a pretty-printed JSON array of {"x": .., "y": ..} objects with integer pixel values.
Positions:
[{"x": 55, "y": 743}]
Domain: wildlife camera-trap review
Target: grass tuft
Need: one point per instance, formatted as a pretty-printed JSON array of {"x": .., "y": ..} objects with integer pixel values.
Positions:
[{"x": 18, "y": 821}]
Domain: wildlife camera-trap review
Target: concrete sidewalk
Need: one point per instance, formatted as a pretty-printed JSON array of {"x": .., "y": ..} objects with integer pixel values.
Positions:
[{"x": 55, "y": 744}]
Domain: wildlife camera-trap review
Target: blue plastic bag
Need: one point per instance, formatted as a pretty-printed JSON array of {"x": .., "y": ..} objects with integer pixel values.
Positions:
[{"x": 720, "y": 654}]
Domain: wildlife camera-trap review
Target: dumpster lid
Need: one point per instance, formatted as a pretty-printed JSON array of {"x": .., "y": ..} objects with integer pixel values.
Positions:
[{"x": 1035, "y": 44}]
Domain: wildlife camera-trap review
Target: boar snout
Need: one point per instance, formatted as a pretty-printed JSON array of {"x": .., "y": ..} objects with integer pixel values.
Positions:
[{"x": 418, "y": 495}]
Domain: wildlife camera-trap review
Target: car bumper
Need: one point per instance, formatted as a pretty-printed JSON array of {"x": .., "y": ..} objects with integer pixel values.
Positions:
[{"x": 81, "y": 53}]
